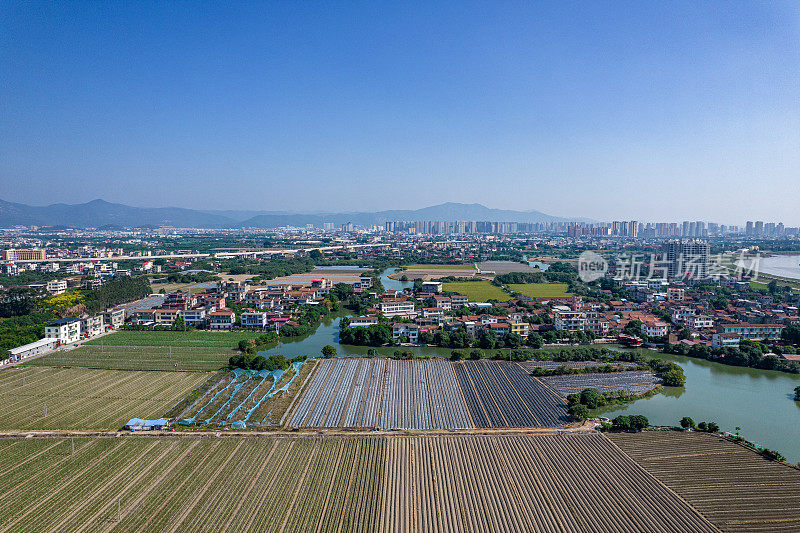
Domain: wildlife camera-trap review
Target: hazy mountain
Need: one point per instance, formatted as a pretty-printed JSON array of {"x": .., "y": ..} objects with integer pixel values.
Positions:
[
  {"x": 99, "y": 213},
  {"x": 446, "y": 211}
]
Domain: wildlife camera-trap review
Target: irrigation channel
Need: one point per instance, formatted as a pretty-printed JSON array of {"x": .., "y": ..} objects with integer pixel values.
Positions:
[{"x": 758, "y": 401}]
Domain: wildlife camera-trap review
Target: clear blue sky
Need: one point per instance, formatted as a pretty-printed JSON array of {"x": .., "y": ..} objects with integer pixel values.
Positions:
[{"x": 637, "y": 110}]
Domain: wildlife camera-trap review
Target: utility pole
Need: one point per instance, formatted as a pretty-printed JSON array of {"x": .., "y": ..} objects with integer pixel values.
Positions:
[
  {"x": 117, "y": 511},
  {"x": 72, "y": 439}
]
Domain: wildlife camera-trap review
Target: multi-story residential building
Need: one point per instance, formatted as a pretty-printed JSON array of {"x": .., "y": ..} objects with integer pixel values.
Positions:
[
  {"x": 57, "y": 286},
  {"x": 410, "y": 331},
  {"x": 91, "y": 284},
  {"x": 165, "y": 317},
  {"x": 65, "y": 330},
  {"x": 654, "y": 328},
  {"x": 457, "y": 301},
  {"x": 568, "y": 320},
  {"x": 91, "y": 325},
  {"x": 365, "y": 282},
  {"x": 757, "y": 332},
  {"x": 725, "y": 340},
  {"x": 144, "y": 316},
  {"x": 234, "y": 290},
  {"x": 433, "y": 312},
  {"x": 363, "y": 321},
  {"x": 195, "y": 318},
  {"x": 254, "y": 319},
  {"x": 397, "y": 307},
  {"x": 179, "y": 300},
  {"x": 520, "y": 328},
  {"x": 114, "y": 318},
  {"x": 222, "y": 319},
  {"x": 676, "y": 294},
  {"x": 680, "y": 314},
  {"x": 699, "y": 322},
  {"x": 431, "y": 287},
  {"x": 444, "y": 302},
  {"x": 596, "y": 323}
]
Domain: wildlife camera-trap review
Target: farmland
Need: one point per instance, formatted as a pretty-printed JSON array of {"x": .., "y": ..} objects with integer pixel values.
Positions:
[
  {"x": 357, "y": 483},
  {"x": 244, "y": 398},
  {"x": 134, "y": 357},
  {"x": 636, "y": 382},
  {"x": 736, "y": 489},
  {"x": 477, "y": 291},
  {"x": 382, "y": 394},
  {"x": 541, "y": 290},
  {"x": 215, "y": 339},
  {"x": 500, "y": 394},
  {"x": 77, "y": 398},
  {"x": 467, "y": 267}
]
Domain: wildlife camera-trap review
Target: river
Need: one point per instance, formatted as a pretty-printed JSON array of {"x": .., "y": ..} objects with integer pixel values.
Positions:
[
  {"x": 758, "y": 401},
  {"x": 785, "y": 266}
]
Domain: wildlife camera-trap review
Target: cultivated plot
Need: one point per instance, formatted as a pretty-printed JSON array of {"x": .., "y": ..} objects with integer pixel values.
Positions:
[
  {"x": 636, "y": 382},
  {"x": 735, "y": 488},
  {"x": 477, "y": 291},
  {"x": 383, "y": 394},
  {"x": 79, "y": 398},
  {"x": 541, "y": 290},
  {"x": 525, "y": 483},
  {"x": 530, "y": 366},
  {"x": 166, "y": 358},
  {"x": 501, "y": 394},
  {"x": 333, "y": 484}
]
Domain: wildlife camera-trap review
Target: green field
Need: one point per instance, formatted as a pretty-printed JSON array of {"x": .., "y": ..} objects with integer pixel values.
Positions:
[
  {"x": 541, "y": 290},
  {"x": 478, "y": 291},
  {"x": 217, "y": 339},
  {"x": 757, "y": 285},
  {"x": 469, "y": 266},
  {"x": 80, "y": 398},
  {"x": 132, "y": 357}
]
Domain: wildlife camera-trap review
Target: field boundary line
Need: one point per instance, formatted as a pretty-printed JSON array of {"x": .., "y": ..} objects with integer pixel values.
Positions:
[
  {"x": 155, "y": 482},
  {"x": 108, "y": 483},
  {"x": 356, "y": 456},
  {"x": 177, "y": 489},
  {"x": 664, "y": 485},
  {"x": 31, "y": 458},
  {"x": 521, "y": 399},
  {"x": 177, "y": 522},
  {"x": 339, "y": 453},
  {"x": 243, "y": 497},
  {"x": 300, "y": 394},
  {"x": 271, "y": 482},
  {"x": 288, "y": 512},
  {"x": 78, "y": 475}
]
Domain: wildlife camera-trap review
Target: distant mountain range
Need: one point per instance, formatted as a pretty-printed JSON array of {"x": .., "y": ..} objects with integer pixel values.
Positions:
[{"x": 99, "y": 214}]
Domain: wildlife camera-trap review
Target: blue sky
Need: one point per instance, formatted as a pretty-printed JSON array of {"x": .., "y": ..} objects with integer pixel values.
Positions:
[{"x": 632, "y": 110}]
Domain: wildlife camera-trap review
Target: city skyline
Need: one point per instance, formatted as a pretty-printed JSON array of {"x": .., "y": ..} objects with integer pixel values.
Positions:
[{"x": 673, "y": 112}]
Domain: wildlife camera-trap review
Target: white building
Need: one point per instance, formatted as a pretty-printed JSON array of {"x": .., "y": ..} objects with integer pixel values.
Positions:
[
  {"x": 91, "y": 325},
  {"x": 27, "y": 350},
  {"x": 654, "y": 329},
  {"x": 57, "y": 286},
  {"x": 390, "y": 308},
  {"x": 254, "y": 319},
  {"x": 570, "y": 320},
  {"x": 699, "y": 322},
  {"x": 65, "y": 330}
]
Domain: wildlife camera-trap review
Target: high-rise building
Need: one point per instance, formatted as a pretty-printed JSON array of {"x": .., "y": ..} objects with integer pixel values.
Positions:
[
  {"x": 749, "y": 228},
  {"x": 687, "y": 259}
]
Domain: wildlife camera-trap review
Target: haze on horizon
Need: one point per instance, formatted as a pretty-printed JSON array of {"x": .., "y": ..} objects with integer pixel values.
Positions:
[{"x": 687, "y": 110}]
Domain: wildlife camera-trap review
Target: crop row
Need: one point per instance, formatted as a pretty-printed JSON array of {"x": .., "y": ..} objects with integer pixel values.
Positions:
[
  {"x": 165, "y": 358},
  {"x": 75, "y": 398},
  {"x": 635, "y": 382},
  {"x": 734, "y": 487},
  {"x": 500, "y": 394},
  {"x": 383, "y": 394},
  {"x": 180, "y": 484}
]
